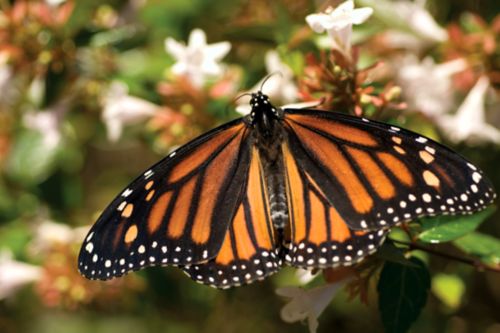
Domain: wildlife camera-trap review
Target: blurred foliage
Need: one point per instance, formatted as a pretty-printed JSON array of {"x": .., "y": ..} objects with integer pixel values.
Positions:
[{"x": 72, "y": 72}]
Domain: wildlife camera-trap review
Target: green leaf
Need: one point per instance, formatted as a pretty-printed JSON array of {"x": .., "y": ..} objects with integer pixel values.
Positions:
[
  {"x": 31, "y": 159},
  {"x": 449, "y": 289},
  {"x": 486, "y": 247},
  {"x": 447, "y": 228},
  {"x": 402, "y": 294},
  {"x": 15, "y": 237}
]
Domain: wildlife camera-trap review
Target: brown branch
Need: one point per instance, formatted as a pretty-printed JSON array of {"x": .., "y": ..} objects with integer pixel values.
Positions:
[{"x": 468, "y": 261}]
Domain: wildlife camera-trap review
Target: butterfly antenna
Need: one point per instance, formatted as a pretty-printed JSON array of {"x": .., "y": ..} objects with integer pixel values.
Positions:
[
  {"x": 240, "y": 96},
  {"x": 268, "y": 77},
  {"x": 226, "y": 111}
]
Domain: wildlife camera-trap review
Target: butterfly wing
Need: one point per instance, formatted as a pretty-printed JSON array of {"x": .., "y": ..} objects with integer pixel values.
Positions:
[
  {"x": 377, "y": 175},
  {"x": 177, "y": 212},
  {"x": 249, "y": 251},
  {"x": 319, "y": 236}
]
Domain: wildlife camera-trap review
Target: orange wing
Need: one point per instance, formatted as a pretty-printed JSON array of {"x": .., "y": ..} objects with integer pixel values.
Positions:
[
  {"x": 377, "y": 175},
  {"x": 319, "y": 236},
  {"x": 249, "y": 251},
  {"x": 177, "y": 212}
]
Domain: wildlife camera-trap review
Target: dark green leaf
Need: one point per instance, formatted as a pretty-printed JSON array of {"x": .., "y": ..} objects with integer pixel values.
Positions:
[
  {"x": 402, "y": 294},
  {"x": 389, "y": 252},
  {"x": 447, "y": 228},
  {"x": 484, "y": 246}
]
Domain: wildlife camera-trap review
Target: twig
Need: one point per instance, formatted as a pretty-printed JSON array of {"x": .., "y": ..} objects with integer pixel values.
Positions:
[{"x": 468, "y": 261}]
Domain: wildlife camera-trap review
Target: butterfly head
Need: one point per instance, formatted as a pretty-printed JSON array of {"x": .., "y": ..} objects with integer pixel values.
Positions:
[{"x": 263, "y": 113}]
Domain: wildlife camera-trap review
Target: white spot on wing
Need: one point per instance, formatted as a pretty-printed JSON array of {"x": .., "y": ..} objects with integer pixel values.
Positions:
[
  {"x": 421, "y": 139},
  {"x": 430, "y": 150},
  {"x": 89, "y": 247},
  {"x": 122, "y": 205},
  {"x": 127, "y": 192},
  {"x": 476, "y": 176}
]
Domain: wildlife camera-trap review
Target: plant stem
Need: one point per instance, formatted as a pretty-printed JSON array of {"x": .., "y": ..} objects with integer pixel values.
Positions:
[{"x": 469, "y": 261}]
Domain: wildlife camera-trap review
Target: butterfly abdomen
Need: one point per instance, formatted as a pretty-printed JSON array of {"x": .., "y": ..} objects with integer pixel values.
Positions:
[
  {"x": 277, "y": 199},
  {"x": 269, "y": 146}
]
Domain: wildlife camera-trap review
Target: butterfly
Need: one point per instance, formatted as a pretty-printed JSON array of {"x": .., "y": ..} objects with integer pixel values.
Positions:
[{"x": 299, "y": 187}]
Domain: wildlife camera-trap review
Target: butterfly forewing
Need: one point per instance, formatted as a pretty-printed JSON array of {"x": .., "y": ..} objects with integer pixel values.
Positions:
[
  {"x": 377, "y": 175},
  {"x": 177, "y": 212},
  {"x": 249, "y": 251}
]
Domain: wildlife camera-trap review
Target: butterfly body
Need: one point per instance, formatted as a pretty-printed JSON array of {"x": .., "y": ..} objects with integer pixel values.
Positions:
[
  {"x": 268, "y": 135},
  {"x": 305, "y": 188}
]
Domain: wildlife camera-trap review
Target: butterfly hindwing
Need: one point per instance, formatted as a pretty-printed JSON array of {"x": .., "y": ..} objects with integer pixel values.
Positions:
[
  {"x": 377, "y": 175},
  {"x": 177, "y": 212},
  {"x": 319, "y": 235},
  {"x": 249, "y": 251}
]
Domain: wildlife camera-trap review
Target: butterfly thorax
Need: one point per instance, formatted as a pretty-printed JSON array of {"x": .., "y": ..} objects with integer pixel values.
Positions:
[{"x": 268, "y": 136}]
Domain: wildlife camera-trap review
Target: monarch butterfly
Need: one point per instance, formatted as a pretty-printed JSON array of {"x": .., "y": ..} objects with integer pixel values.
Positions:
[{"x": 302, "y": 187}]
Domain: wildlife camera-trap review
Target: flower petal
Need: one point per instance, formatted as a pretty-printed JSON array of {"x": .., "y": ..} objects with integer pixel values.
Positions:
[
  {"x": 217, "y": 51},
  {"x": 427, "y": 87},
  {"x": 346, "y": 6},
  {"x": 197, "y": 39},
  {"x": 15, "y": 274},
  {"x": 360, "y": 15},
  {"x": 121, "y": 109},
  {"x": 469, "y": 123},
  {"x": 338, "y": 23},
  {"x": 317, "y": 22},
  {"x": 176, "y": 49},
  {"x": 197, "y": 61},
  {"x": 308, "y": 303}
]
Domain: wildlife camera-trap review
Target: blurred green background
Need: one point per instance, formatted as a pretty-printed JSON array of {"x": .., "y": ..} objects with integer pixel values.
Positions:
[{"x": 72, "y": 72}]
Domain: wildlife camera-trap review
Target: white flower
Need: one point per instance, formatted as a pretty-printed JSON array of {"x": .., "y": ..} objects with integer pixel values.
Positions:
[
  {"x": 5, "y": 71},
  {"x": 46, "y": 123},
  {"x": 307, "y": 304},
  {"x": 279, "y": 86},
  {"x": 412, "y": 24},
  {"x": 49, "y": 233},
  {"x": 10, "y": 92},
  {"x": 121, "y": 109},
  {"x": 197, "y": 61},
  {"x": 468, "y": 123},
  {"x": 427, "y": 87},
  {"x": 420, "y": 20},
  {"x": 15, "y": 274},
  {"x": 54, "y": 3},
  {"x": 338, "y": 23},
  {"x": 305, "y": 275}
]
